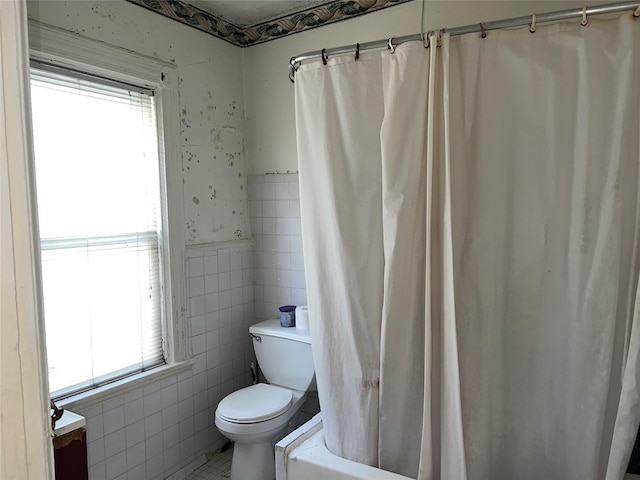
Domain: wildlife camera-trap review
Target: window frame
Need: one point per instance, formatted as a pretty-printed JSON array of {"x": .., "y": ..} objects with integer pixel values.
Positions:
[{"x": 75, "y": 52}]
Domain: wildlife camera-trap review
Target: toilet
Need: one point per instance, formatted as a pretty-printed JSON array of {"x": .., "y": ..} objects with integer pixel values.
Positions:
[{"x": 257, "y": 417}]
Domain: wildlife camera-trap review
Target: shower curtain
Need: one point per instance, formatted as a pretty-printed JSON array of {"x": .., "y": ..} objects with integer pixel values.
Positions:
[{"x": 471, "y": 221}]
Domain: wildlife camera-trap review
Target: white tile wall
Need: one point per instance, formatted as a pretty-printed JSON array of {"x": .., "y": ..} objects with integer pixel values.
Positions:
[
  {"x": 152, "y": 432},
  {"x": 278, "y": 277}
]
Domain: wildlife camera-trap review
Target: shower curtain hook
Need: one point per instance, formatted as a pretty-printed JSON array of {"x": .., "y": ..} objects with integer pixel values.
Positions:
[
  {"x": 391, "y": 46},
  {"x": 637, "y": 12},
  {"x": 425, "y": 39},
  {"x": 584, "y": 16},
  {"x": 483, "y": 33},
  {"x": 532, "y": 27},
  {"x": 357, "y": 51},
  {"x": 324, "y": 56}
]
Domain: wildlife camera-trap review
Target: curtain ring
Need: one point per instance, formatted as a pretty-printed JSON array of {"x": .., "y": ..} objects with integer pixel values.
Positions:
[
  {"x": 425, "y": 39},
  {"x": 357, "y": 51},
  {"x": 391, "y": 46},
  {"x": 637, "y": 12},
  {"x": 324, "y": 56},
  {"x": 584, "y": 16},
  {"x": 483, "y": 33},
  {"x": 532, "y": 27}
]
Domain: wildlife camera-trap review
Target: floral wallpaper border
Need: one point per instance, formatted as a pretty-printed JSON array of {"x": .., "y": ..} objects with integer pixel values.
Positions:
[{"x": 330, "y": 12}]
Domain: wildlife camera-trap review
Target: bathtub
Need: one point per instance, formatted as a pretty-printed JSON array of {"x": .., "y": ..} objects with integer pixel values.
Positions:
[{"x": 303, "y": 455}]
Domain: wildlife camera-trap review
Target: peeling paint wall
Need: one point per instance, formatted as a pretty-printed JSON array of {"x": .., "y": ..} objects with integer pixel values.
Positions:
[{"x": 211, "y": 98}]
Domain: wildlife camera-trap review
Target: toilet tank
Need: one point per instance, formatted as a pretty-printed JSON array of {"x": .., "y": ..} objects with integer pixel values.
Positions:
[{"x": 284, "y": 355}]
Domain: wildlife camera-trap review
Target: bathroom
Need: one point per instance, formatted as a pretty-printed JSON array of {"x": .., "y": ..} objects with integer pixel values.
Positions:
[{"x": 239, "y": 197}]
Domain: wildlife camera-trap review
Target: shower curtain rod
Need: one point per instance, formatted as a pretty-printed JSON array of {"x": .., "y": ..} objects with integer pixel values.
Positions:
[{"x": 534, "y": 19}]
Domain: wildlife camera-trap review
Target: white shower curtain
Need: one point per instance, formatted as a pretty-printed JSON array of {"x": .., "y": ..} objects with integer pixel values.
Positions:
[{"x": 495, "y": 181}]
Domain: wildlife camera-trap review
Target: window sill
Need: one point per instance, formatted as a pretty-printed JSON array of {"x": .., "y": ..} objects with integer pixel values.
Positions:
[{"x": 84, "y": 400}]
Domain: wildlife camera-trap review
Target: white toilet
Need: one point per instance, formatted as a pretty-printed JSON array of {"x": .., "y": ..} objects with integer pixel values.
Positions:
[{"x": 256, "y": 417}]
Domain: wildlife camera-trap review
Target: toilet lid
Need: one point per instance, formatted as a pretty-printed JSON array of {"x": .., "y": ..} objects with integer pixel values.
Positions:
[{"x": 257, "y": 403}]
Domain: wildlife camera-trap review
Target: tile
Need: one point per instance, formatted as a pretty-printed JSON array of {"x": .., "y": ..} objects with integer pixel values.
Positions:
[
  {"x": 256, "y": 225},
  {"x": 171, "y": 457},
  {"x": 210, "y": 264},
  {"x": 155, "y": 466},
  {"x": 198, "y": 325},
  {"x": 152, "y": 403},
  {"x": 268, "y": 209},
  {"x": 294, "y": 190},
  {"x": 185, "y": 409},
  {"x": 297, "y": 279},
  {"x": 196, "y": 286},
  {"x": 113, "y": 403},
  {"x": 273, "y": 178},
  {"x": 153, "y": 424},
  {"x": 282, "y": 208},
  {"x": 154, "y": 446},
  {"x": 235, "y": 261},
  {"x": 224, "y": 300},
  {"x": 133, "y": 411},
  {"x": 186, "y": 428},
  {"x": 185, "y": 389},
  {"x": 197, "y": 306},
  {"x": 137, "y": 473},
  {"x": 282, "y": 191},
  {"x": 199, "y": 383},
  {"x": 171, "y": 436},
  {"x": 236, "y": 278},
  {"x": 211, "y": 283},
  {"x": 269, "y": 191},
  {"x": 223, "y": 263},
  {"x": 294, "y": 208},
  {"x": 95, "y": 452},
  {"x": 213, "y": 320},
  {"x": 236, "y": 297},
  {"x": 135, "y": 455},
  {"x": 297, "y": 261},
  {"x": 114, "y": 443},
  {"x": 195, "y": 267},
  {"x": 283, "y": 226},
  {"x": 186, "y": 449},
  {"x": 201, "y": 364},
  {"x": 211, "y": 302},
  {"x": 254, "y": 191},
  {"x": 198, "y": 346},
  {"x": 170, "y": 416},
  {"x": 296, "y": 243},
  {"x": 200, "y": 402},
  {"x": 98, "y": 471},
  {"x": 224, "y": 281},
  {"x": 113, "y": 420},
  {"x": 95, "y": 428},
  {"x": 134, "y": 433}
]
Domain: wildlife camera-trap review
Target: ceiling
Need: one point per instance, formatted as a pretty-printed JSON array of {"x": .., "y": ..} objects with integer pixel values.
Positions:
[{"x": 249, "y": 22}]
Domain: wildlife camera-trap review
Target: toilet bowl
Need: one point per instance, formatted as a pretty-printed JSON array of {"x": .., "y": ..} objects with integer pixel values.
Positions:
[{"x": 256, "y": 417}]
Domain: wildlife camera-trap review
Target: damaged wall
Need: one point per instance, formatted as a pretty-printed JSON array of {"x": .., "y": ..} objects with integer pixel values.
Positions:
[{"x": 211, "y": 105}]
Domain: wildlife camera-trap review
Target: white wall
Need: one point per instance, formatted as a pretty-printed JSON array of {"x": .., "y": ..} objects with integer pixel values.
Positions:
[
  {"x": 211, "y": 104},
  {"x": 271, "y": 141}
]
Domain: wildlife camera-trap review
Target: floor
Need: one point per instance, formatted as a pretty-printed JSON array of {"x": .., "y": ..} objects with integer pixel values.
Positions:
[{"x": 216, "y": 468}]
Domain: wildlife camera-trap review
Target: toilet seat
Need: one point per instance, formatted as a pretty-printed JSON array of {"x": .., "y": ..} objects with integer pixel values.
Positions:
[{"x": 257, "y": 403}]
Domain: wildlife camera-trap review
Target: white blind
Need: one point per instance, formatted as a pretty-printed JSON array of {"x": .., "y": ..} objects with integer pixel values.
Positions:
[{"x": 98, "y": 185}]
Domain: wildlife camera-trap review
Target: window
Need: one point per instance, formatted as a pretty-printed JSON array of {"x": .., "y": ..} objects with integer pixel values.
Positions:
[
  {"x": 100, "y": 221},
  {"x": 109, "y": 206}
]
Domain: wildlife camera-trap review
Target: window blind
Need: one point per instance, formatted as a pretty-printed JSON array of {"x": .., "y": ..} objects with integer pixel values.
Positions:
[{"x": 99, "y": 207}]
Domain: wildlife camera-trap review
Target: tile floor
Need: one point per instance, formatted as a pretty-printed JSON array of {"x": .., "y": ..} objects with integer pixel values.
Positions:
[{"x": 218, "y": 467}]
